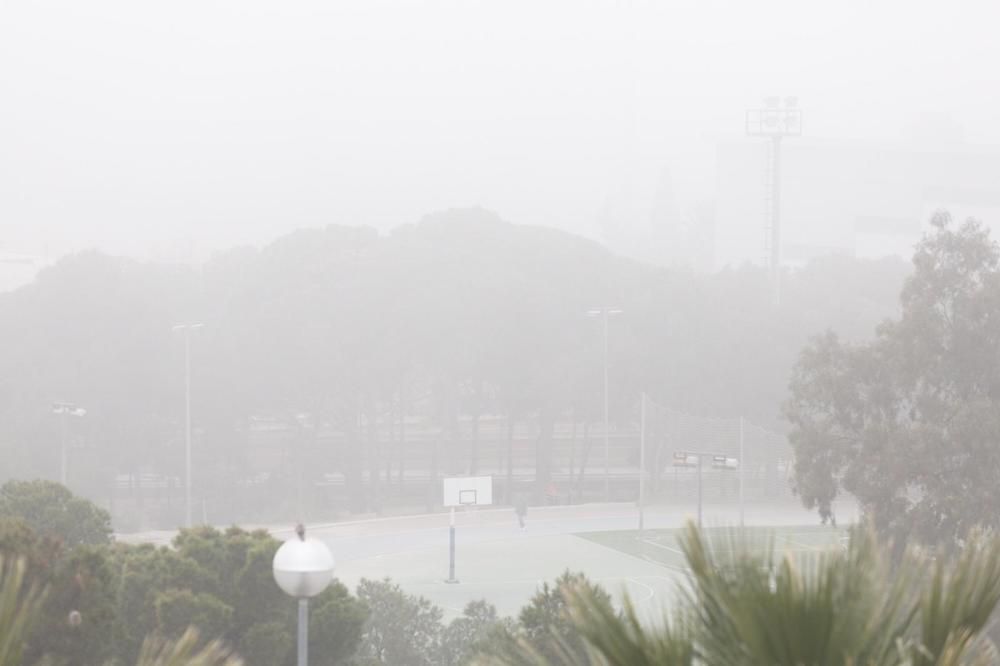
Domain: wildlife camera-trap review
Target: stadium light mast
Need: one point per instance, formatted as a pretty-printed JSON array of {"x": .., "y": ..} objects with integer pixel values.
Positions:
[
  {"x": 605, "y": 313},
  {"x": 187, "y": 328},
  {"x": 775, "y": 121}
]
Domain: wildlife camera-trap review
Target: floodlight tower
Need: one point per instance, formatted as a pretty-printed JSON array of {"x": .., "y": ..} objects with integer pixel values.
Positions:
[{"x": 775, "y": 121}]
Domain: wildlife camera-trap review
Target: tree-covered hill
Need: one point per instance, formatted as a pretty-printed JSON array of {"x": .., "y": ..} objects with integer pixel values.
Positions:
[{"x": 344, "y": 330}]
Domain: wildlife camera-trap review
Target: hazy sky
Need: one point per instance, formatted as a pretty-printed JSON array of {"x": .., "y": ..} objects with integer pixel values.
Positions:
[{"x": 146, "y": 128}]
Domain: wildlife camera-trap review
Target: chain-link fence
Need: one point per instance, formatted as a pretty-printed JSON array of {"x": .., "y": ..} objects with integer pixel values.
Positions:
[{"x": 726, "y": 460}]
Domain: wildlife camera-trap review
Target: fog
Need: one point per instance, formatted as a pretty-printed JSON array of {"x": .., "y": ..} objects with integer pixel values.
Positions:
[
  {"x": 475, "y": 334},
  {"x": 177, "y": 130}
]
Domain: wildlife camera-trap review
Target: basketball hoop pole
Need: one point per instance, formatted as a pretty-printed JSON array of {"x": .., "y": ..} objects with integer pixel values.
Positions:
[
  {"x": 464, "y": 491},
  {"x": 451, "y": 548}
]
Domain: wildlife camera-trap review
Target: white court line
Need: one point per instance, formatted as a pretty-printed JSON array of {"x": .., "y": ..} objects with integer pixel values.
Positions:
[
  {"x": 468, "y": 583},
  {"x": 660, "y": 545},
  {"x": 649, "y": 588},
  {"x": 672, "y": 567},
  {"x": 809, "y": 547}
]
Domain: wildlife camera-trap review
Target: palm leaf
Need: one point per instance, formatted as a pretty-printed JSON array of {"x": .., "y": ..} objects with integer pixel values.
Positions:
[
  {"x": 20, "y": 606},
  {"x": 185, "y": 651},
  {"x": 744, "y": 604}
]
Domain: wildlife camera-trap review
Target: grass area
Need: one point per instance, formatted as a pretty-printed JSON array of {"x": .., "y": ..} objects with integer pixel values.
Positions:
[{"x": 660, "y": 545}]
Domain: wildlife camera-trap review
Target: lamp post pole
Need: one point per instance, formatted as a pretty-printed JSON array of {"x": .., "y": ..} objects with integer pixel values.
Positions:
[
  {"x": 303, "y": 642},
  {"x": 642, "y": 458},
  {"x": 65, "y": 410},
  {"x": 187, "y": 328},
  {"x": 605, "y": 313},
  {"x": 63, "y": 447},
  {"x": 742, "y": 467},
  {"x": 695, "y": 459}
]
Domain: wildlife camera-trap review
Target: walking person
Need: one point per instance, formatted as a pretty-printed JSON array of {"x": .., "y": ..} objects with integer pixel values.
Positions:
[{"x": 521, "y": 508}]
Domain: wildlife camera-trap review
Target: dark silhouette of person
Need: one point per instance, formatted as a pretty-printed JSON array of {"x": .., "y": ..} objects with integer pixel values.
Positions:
[{"x": 521, "y": 508}]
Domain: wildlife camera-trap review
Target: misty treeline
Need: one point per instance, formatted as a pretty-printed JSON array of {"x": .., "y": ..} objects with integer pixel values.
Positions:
[
  {"x": 371, "y": 355},
  {"x": 70, "y": 594}
]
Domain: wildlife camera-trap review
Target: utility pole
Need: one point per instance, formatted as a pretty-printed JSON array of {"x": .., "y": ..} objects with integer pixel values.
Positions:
[
  {"x": 187, "y": 328},
  {"x": 775, "y": 122},
  {"x": 605, "y": 313}
]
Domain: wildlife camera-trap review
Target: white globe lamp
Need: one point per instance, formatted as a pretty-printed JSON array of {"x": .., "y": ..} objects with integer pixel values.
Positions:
[{"x": 303, "y": 567}]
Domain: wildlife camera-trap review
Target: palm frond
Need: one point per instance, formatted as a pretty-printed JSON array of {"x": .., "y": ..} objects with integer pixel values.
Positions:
[
  {"x": 745, "y": 604},
  {"x": 621, "y": 639},
  {"x": 956, "y": 603},
  {"x": 20, "y": 606},
  {"x": 185, "y": 651}
]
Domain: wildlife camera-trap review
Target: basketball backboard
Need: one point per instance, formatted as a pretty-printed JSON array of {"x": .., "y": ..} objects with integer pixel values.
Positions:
[{"x": 468, "y": 491}]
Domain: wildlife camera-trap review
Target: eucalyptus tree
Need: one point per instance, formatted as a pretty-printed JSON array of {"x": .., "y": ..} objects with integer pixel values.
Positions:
[{"x": 908, "y": 421}]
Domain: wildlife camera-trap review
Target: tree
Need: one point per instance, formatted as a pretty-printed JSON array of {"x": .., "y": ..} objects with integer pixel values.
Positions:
[
  {"x": 908, "y": 422},
  {"x": 336, "y": 625},
  {"x": 545, "y": 622},
  {"x": 466, "y": 315},
  {"x": 53, "y": 511},
  {"x": 57, "y": 606},
  {"x": 77, "y": 618},
  {"x": 401, "y": 629},
  {"x": 221, "y": 582},
  {"x": 471, "y": 633},
  {"x": 176, "y": 610},
  {"x": 545, "y": 632},
  {"x": 267, "y": 643}
]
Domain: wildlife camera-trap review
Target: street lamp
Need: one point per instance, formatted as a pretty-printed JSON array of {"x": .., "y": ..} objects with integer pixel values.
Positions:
[
  {"x": 65, "y": 410},
  {"x": 718, "y": 460},
  {"x": 605, "y": 313},
  {"x": 187, "y": 328},
  {"x": 303, "y": 568}
]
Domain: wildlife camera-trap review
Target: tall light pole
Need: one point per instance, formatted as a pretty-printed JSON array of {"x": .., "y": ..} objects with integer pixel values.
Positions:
[
  {"x": 775, "y": 122},
  {"x": 642, "y": 460},
  {"x": 606, "y": 313},
  {"x": 65, "y": 410},
  {"x": 187, "y": 328}
]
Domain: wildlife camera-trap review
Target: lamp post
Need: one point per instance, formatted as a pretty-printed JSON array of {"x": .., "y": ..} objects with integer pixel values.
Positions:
[
  {"x": 65, "y": 410},
  {"x": 694, "y": 459},
  {"x": 303, "y": 568},
  {"x": 642, "y": 460},
  {"x": 187, "y": 328},
  {"x": 605, "y": 313}
]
